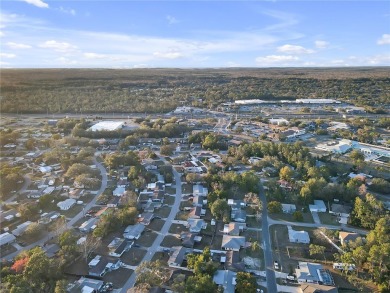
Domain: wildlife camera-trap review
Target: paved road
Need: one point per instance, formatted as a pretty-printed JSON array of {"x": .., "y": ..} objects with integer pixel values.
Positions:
[
  {"x": 164, "y": 231},
  {"x": 314, "y": 225},
  {"x": 41, "y": 242},
  {"x": 25, "y": 185},
  {"x": 269, "y": 264}
]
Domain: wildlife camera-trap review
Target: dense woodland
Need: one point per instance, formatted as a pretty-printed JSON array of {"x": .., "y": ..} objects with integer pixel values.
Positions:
[{"x": 161, "y": 90}]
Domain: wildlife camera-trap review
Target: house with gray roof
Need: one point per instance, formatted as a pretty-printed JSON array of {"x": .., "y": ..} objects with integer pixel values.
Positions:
[
  {"x": 6, "y": 238},
  {"x": 177, "y": 257},
  {"x": 233, "y": 261},
  {"x": 234, "y": 228},
  {"x": 234, "y": 243},
  {"x": 119, "y": 246},
  {"x": 88, "y": 225},
  {"x": 134, "y": 231},
  {"x": 225, "y": 279},
  {"x": 196, "y": 225},
  {"x": 313, "y": 273},
  {"x": 101, "y": 265}
]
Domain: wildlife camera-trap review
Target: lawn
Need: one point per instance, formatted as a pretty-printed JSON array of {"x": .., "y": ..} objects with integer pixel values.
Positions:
[
  {"x": 118, "y": 277},
  {"x": 186, "y": 188},
  {"x": 170, "y": 241},
  {"x": 170, "y": 190},
  {"x": 253, "y": 222},
  {"x": 146, "y": 239},
  {"x": 177, "y": 229},
  {"x": 163, "y": 212},
  {"x": 73, "y": 211},
  {"x": 169, "y": 200},
  {"x": 8, "y": 249},
  {"x": 134, "y": 256},
  {"x": 328, "y": 219},
  {"x": 156, "y": 224},
  {"x": 163, "y": 256},
  {"x": 307, "y": 217},
  {"x": 182, "y": 216}
]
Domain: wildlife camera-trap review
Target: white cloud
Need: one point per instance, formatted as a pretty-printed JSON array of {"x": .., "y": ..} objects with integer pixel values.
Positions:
[
  {"x": 58, "y": 46},
  {"x": 67, "y": 61},
  {"x": 168, "y": 55},
  {"x": 13, "y": 45},
  {"x": 2, "y": 34},
  {"x": 171, "y": 19},
  {"x": 293, "y": 49},
  {"x": 38, "y": 3},
  {"x": 274, "y": 59},
  {"x": 7, "y": 55},
  {"x": 94, "y": 56},
  {"x": 321, "y": 44},
  {"x": 67, "y": 11},
  {"x": 384, "y": 40}
]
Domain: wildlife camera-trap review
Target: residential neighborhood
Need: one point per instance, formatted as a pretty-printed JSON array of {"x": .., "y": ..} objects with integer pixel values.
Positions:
[{"x": 237, "y": 206}]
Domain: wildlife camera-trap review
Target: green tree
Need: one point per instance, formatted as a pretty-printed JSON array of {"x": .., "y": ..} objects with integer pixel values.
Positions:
[
  {"x": 153, "y": 273},
  {"x": 274, "y": 207},
  {"x": 202, "y": 263},
  {"x": 220, "y": 209},
  {"x": 246, "y": 283},
  {"x": 317, "y": 250},
  {"x": 200, "y": 284},
  {"x": 298, "y": 216},
  {"x": 167, "y": 150}
]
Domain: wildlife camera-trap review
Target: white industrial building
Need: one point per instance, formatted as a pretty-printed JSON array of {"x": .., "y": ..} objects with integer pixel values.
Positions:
[
  {"x": 338, "y": 147},
  {"x": 317, "y": 101},
  {"x": 107, "y": 126},
  {"x": 278, "y": 121}
]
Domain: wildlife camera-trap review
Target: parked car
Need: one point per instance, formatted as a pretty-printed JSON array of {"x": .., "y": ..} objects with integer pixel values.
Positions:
[{"x": 276, "y": 265}]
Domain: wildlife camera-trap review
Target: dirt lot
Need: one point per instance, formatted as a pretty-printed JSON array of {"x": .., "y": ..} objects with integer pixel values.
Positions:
[
  {"x": 156, "y": 224},
  {"x": 328, "y": 219},
  {"x": 177, "y": 229},
  {"x": 146, "y": 239},
  {"x": 169, "y": 200},
  {"x": 163, "y": 256},
  {"x": 163, "y": 212},
  {"x": 118, "y": 277},
  {"x": 307, "y": 217},
  {"x": 170, "y": 241},
  {"x": 134, "y": 256}
]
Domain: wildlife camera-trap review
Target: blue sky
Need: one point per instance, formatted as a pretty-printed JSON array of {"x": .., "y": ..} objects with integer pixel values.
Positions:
[{"x": 133, "y": 34}]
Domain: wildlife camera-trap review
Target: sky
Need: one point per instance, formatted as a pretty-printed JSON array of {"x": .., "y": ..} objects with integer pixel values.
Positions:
[{"x": 193, "y": 34}]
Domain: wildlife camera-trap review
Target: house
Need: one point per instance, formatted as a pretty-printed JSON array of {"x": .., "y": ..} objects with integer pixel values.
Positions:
[
  {"x": 199, "y": 189},
  {"x": 88, "y": 225},
  {"x": 8, "y": 215},
  {"x": 134, "y": 231},
  {"x": 346, "y": 237},
  {"x": 119, "y": 246},
  {"x": 20, "y": 229},
  {"x": 195, "y": 225},
  {"x": 278, "y": 121},
  {"x": 188, "y": 239},
  {"x": 288, "y": 208},
  {"x": 101, "y": 265},
  {"x": 318, "y": 206},
  {"x": 6, "y": 238},
  {"x": 87, "y": 285},
  {"x": 238, "y": 216},
  {"x": 236, "y": 204},
  {"x": 145, "y": 218},
  {"x": 119, "y": 191},
  {"x": 51, "y": 250},
  {"x": 66, "y": 204},
  {"x": 199, "y": 201},
  {"x": 47, "y": 218},
  {"x": 316, "y": 288},
  {"x": 196, "y": 213},
  {"x": 114, "y": 202},
  {"x": 177, "y": 257},
  {"x": 254, "y": 160},
  {"x": 234, "y": 229},
  {"x": 122, "y": 182},
  {"x": 341, "y": 211},
  {"x": 285, "y": 184},
  {"x": 298, "y": 236},
  {"x": 225, "y": 279},
  {"x": 233, "y": 261},
  {"x": 313, "y": 273},
  {"x": 234, "y": 243}
]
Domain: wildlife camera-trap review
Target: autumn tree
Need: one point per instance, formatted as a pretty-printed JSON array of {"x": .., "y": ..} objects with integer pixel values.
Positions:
[
  {"x": 246, "y": 283},
  {"x": 274, "y": 207},
  {"x": 153, "y": 273}
]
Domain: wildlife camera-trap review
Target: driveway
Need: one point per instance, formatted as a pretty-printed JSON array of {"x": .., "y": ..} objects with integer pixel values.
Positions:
[{"x": 164, "y": 230}]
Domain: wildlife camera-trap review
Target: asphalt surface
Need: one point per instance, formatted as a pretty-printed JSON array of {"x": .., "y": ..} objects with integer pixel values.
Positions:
[
  {"x": 164, "y": 231},
  {"x": 267, "y": 248}
]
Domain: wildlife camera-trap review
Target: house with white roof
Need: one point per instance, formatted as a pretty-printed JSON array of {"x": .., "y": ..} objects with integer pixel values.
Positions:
[
  {"x": 66, "y": 204},
  {"x": 298, "y": 236},
  {"x": 234, "y": 243},
  {"x": 318, "y": 206},
  {"x": 288, "y": 208}
]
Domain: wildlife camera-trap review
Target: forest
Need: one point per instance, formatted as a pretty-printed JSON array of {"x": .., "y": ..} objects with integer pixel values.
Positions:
[{"x": 162, "y": 90}]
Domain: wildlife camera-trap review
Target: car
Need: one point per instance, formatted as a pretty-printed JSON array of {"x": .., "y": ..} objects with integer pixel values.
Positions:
[{"x": 276, "y": 265}]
